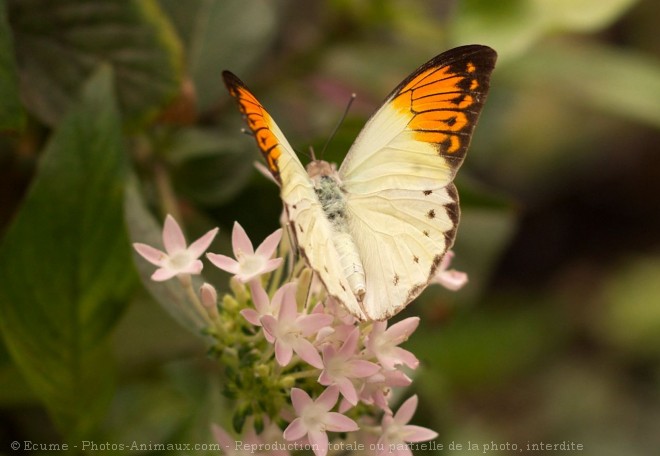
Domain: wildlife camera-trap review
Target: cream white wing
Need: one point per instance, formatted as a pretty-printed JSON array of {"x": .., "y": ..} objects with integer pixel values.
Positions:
[
  {"x": 402, "y": 206},
  {"x": 313, "y": 233}
]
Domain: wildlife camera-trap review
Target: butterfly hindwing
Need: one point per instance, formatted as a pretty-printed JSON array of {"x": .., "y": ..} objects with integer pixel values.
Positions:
[{"x": 398, "y": 175}]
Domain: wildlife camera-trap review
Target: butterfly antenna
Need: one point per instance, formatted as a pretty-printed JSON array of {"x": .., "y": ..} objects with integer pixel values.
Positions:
[{"x": 341, "y": 120}]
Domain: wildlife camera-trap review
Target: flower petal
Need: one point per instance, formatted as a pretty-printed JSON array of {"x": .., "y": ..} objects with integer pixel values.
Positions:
[
  {"x": 451, "y": 279},
  {"x": 400, "y": 331},
  {"x": 350, "y": 344},
  {"x": 240, "y": 241},
  {"x": 360, "y": 368},
  {"x": 319, "y": 442},
  {"x": 300, "y": 400},
  {"x": 418, "y": 434},
  {"x": 251, "y": 316},
  {"x": 152, "y": 255},
  {"x": 310, "y": 324},
  {"x": 173, "y": 238},
  {"x": 267, "y": 248},
  {"x": 328, "y": 398},
  {"x": 271, "y": 265},
  {"x": 295, "y": 430},
  {"x": 406, "y": 411},
  {"x": 259, "y": 297},
  {"x": 163, "y": 274},
  {"x": 336, "y": 422},
  {"x": 283, "y": 353},
  {"x": 405, "y": 357},
  {"x": 197, "y": 248},
  {"x": 224, "y": 262},
  {"x": 308, "y": 353}
]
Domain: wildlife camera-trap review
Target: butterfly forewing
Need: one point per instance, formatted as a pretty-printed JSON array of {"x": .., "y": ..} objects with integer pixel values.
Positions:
[
  {"x": 313, "y": 233},
  {"x": 397, "y": 176}
]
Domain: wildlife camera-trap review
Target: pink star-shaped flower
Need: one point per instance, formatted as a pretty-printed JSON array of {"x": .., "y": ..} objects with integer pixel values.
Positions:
[
  {"x": 179, "y": 259},
  {"x": 248, "y": 263},
  {"x": 315, "y": 419},
  {"x": 340, "y": 366},
  {"x": 262, "y": 305},
  {"x": 382, "y": 343},
  {"x": 290, "y": 330},
  {"x": 397, "y": 432}
]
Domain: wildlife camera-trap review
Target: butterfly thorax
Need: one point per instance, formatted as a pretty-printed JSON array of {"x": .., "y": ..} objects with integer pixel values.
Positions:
[{"x": 328, "y": 189}]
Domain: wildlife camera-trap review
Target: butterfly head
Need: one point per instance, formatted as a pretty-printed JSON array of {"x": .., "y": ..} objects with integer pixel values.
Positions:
[{"x": 320, "y": 168}]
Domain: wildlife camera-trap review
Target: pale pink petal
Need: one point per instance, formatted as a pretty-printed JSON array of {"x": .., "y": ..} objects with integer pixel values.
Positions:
[
  {"x": 197, "y": 248},
  {"x": 418, "y": 433},
  {"x": 271, "y": 265},
  {"x": 252, "y": 316},
  {"x": 193, "y": 268},
  {"x": 319, "y": 442},
  {"x": 325, "y": 378},
  {"x": 163, "y": 274},
  {"x": 405, "y": 357},
  {"x": 224, "y": 262},
  {"x": 269, "y": 245},
  {"x": 360, "y": 368},
  {"x": 307, "y": 352},
  {"x": 173, "y": 238},
  {"x": 295, "y": 430},
  {"x": 350, "y": 344},
  {"x": 240, "y": 241},
  {"x": 288, "y": 309},
  {"x": 270, "y": 324},
  {"x": 328, "y": 398},
  {"x": 300, "y": 400},
  {"x": 400, "y": 331},
  {"x": 286, "y": 292},
  {"x": 336, "y": 422},
  {"x": 406, "y": 411},
  {"x": 446, "y": 260},
  {"x": 451, "y": 279},
  {"x": 266, "y": 173},
  {"x": 283, "y": 353},
  {"x": 347, "y": 389},
  {"x": 152, "y": 255},
  {"x": 259, "y": 297},
  {"x": 310, "y": 324}
]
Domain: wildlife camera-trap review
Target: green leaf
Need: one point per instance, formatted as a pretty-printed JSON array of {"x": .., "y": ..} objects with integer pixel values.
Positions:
[
  {"x": 208, "y": 166},
  {"x": 64, "y": 263},
  {"x": 228, "y": 35},
  {"x": 59, "y": 44},
  {"x": 12, "y": 115}
]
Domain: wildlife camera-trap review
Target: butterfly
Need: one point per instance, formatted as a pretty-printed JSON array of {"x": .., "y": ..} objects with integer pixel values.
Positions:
[{"x": 376, "y": 230}]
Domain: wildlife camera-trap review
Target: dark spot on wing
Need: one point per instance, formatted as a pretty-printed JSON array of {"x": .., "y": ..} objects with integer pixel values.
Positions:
[
  {"x": 431, "y": 214},
  {"x": 427, "y": 192},
  {"x": 396, "y": 279},
  {"x": 415, "y": 258},
  {"x": 426, "y": 233}
]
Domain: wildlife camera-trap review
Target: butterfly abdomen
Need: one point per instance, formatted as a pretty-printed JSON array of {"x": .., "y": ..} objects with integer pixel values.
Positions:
[{"x": 333, "y": 203}]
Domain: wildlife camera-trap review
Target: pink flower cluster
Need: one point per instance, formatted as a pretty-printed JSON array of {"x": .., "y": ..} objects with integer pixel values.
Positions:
[{"x": 355, "y": 364}]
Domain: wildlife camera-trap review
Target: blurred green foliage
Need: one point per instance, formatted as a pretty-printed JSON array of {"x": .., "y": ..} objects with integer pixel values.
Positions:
[{"x": 557, "y": 336}]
